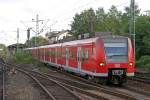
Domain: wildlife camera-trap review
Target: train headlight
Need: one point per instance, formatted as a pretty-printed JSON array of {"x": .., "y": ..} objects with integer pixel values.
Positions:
[
  {"x": 102, "y": 64},
  {"x": 130, "y": 64}
]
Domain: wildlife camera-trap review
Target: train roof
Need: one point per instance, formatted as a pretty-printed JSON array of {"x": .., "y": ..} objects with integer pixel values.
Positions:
[
  {"x": 90, "y": 40},
  {"x": 114, "y": 38},
  {"x": 84, "y": 41},
  {"x": 45, "y": 46}
]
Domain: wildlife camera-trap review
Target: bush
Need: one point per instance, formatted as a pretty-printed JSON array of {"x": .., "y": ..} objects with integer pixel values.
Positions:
[
  {"x": 147, "y": 66},
  {"x": 144, "y": 62},
  {"x": 23, "y": 57},
  {"x": 138, "y": 64}
]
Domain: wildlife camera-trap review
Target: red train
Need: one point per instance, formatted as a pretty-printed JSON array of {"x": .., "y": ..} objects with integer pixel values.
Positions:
[{"x": 107, "y": 57}]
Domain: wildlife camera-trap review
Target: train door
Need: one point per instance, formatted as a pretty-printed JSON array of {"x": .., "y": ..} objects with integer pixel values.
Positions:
[
  {"x": 44, "y": 49},
  {"x": 56, "y": 55},
  {"x": 50, "y": 56},
  {"x": 67, "y": 56},
  {"x": 79, "y": 58}
]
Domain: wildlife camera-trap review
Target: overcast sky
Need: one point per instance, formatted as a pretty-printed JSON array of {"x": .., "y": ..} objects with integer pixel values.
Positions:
[{"x": 58, "y": 13}]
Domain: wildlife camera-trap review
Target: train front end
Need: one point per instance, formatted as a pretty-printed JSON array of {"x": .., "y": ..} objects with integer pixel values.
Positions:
[{"x": 119, "y": 57}]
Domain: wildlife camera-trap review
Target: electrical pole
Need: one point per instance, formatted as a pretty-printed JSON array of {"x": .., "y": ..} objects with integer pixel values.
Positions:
[
  {"x": 37, "y": 31},
  {"x": 130, "y": 19},
  {"x": 37, "y": 24},
  {"x": 37, "y": 27},
  {"x": 28, "y": 37},
  {"x": 91, "y": 24},
  {"x": 132, "y": 23},
  {"x": 134, "y": 27},
  {"x": 17, "y": 38}
]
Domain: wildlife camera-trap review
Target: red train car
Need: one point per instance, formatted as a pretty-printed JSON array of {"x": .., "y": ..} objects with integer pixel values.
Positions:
[{"x": 107, "y": 57}]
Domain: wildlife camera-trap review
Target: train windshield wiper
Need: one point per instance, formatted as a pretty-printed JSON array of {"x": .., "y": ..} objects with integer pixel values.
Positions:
[{"x": 116, "y": 55}]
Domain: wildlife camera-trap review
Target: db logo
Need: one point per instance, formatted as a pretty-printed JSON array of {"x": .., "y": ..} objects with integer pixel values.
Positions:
[{"x": 117, "y": 65}]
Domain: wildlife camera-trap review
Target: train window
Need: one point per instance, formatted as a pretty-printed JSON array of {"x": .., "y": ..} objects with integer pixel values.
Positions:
[
  {"x": 52, "y": 53},
  {"x": 46, "y": 52},
  {"x": 73, "y": 55},
  {"x": 40, "y": 52},
  {"x": 85, "y": 54},
  {"x": 67, "y": 53},
  {"x": 116, "y": 52},
  {"x": 93, "y": 51},
  {"x": 49, "y": 53},
  {"x": 58, "y": 53}
]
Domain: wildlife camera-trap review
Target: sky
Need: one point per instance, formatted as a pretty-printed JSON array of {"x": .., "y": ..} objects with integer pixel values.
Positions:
[{"x": 56, "y": 15}]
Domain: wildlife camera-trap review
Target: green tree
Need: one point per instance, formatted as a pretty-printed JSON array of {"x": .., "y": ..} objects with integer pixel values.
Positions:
[
  {"x": 84, "y": 22},
  {"x": 89, "y": 21},
  {"x": 114, "y": 20},
  {"x": 100, "y": 25},
  {"x": 3, "y": 51},
  {"x": 39, "y": 41},
  {"x": 128, "y": 9},
  {"x": 142, "y": 35}
]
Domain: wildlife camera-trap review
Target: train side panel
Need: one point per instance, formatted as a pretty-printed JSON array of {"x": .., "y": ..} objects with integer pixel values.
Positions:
[
  {"x": 73, "y": 57},
  {"x": 94, "y": 57}
]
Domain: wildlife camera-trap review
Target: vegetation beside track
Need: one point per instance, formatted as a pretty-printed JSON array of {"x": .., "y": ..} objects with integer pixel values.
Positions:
[
  {"x": 23, "y": 57},
  {"x": 144, "y": 62}
]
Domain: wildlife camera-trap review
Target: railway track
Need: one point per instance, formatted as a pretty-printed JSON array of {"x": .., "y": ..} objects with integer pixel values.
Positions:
[
  {"x": 89, "y": 88},
  {"x": 139, "y": 83},
  {"x": 125, "y": 87},
  {"x": 51, "y": 87},
  {"x": 107, "y": 90},
  {"x": 3, "y": 89},
  {"x": 137, "y": 90},
  {"x": 140, "y": 93},
  {"x": 65, "y": 86},
  {"x": 142, "y": 77}
]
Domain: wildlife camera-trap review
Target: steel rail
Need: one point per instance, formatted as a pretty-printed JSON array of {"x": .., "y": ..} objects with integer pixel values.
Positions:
[
  {"x": 140, "y": 79},
  {"x": 96, "y": 87},
  {"x": 88, "y": 83},
  {"x": 37, "y": 81},
  {"x": 93, "y": 85},
  {"x": 58, "y": 83},
  {"x": 3, "y": 84},
  {"x": 73, "y": 88},
  {"x": 44, "y": 88}
]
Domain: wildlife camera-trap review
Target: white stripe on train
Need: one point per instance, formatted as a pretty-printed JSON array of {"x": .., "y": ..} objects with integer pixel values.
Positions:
[{"x": 83, "y": 72}]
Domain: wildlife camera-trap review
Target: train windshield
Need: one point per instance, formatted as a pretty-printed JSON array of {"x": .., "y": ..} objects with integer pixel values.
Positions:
[{"x": 116, "y": 52}]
